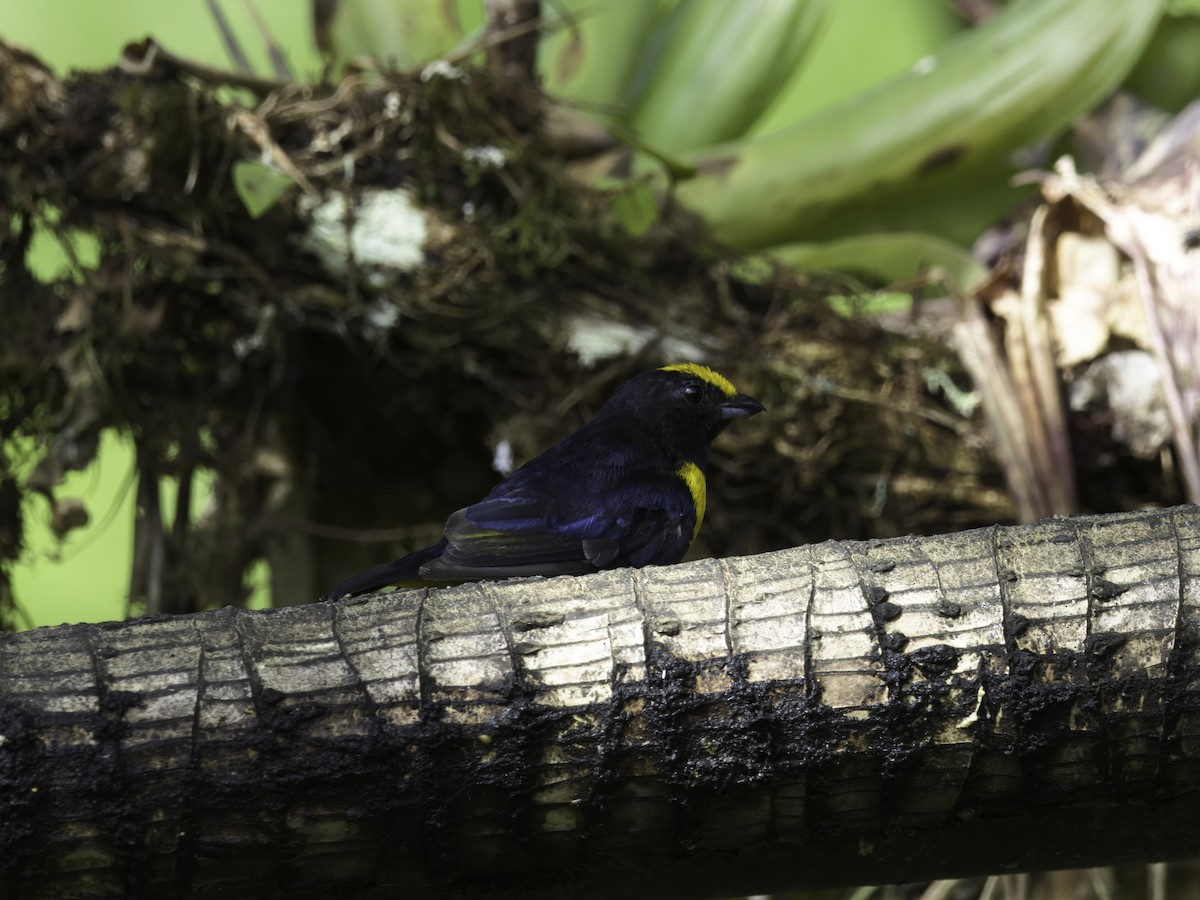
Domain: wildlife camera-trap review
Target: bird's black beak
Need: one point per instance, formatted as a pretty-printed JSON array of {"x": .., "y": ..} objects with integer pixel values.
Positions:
[{"x": 739, "y": 405}]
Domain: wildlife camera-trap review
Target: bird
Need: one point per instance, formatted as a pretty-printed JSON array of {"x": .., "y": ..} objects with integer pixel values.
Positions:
[{"x": 627, "y": 488}]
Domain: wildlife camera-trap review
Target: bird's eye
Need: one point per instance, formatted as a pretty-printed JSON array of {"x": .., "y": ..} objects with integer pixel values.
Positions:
[{"x": 692, "y": 394}]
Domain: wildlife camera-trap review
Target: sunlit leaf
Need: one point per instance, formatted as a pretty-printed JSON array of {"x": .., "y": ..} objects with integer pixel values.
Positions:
[{"x": 258, "y": 186}]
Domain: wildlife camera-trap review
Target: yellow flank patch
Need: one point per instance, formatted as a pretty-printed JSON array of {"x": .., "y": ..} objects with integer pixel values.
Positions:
[
  {"x": 704, "y": 373},
  {"x": 694, "y": 479}
]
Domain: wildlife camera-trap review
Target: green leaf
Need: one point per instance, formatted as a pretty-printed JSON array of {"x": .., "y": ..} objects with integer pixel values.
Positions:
[
  {"x": 637, "y": 208},
  {"x": 258, "y": 186},
  {"x": 397, "y": 33},
  {"x": 860, "y": 45},
  {"x": 591, "y": 47},
  {"x": 869, "y": 304},
  {"x": 1018, "y": 79},
  {"x": 888, "y": 257},
  {"x": 1168, "y": 74},
  {"x": 719, "y": 66}
]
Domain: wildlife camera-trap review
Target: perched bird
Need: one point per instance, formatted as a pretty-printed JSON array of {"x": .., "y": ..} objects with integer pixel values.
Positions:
[{"x": 625, "y": 489}]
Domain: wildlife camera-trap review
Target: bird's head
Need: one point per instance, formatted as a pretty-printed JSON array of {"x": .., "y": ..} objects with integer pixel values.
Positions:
[{"x": 685, "y": 405}]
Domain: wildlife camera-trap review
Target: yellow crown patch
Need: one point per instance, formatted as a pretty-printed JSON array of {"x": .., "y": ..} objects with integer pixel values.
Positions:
[{"x": 704, "y": 373}]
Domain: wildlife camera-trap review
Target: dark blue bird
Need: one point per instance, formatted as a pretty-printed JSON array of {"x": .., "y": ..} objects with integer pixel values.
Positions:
[{"x": 626, "y": 489}]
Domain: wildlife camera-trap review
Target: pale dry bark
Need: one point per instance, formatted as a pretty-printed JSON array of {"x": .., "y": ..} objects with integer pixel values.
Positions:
[{"x": 1006, "y": 698}]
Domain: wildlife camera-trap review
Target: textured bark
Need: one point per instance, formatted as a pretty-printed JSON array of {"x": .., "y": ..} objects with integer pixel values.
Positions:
[
  {"x": 1006, "y": 698},
  {"x": 512, "y": 37}
]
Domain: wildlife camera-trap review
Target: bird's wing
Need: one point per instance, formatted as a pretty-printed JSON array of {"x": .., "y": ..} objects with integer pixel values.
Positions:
[
  {"x": 642, "y": 519},
  {"x": 407, "y": 568}
]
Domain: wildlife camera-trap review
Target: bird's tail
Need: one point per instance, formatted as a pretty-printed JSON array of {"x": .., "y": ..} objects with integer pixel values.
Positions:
[{"x": 407, "y": 568}]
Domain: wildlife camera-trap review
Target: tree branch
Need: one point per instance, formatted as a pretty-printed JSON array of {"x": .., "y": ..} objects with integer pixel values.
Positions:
[{"x": 1019, "y": 697}]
